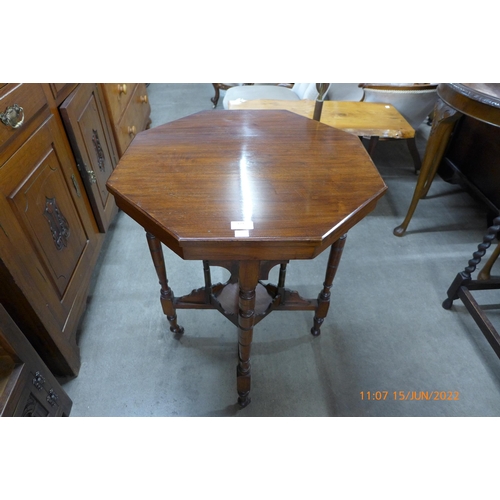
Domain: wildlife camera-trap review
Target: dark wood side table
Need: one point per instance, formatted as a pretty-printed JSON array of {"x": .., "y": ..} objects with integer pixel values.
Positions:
[
  {"x": 246, "y": 190},
  {"x": 480, "y": 101}
]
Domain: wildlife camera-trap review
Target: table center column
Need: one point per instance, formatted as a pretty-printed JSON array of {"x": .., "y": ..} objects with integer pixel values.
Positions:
[{"x": 248, "y": 279}]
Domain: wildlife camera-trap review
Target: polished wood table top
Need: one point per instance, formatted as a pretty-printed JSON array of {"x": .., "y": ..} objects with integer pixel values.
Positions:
[
  {"x": 365, "y": 119},
  {"x": 246, "y": 191},
  {"x": 298, "y": 183}
]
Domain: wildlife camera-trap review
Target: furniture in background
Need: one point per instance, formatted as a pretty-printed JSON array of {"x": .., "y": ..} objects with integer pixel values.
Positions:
[
  {"x": 53, "y": 214},
  {"x": 89, "y": 131},
  {"x": 223, "y": 86},
  {"x": 414, "y": 101},
  {"x": 479, "y": 101},
  {"x": 335, "y": 92},
  {"x": 129, "y": 110},
  {"x": 463, "y": 284},
  {"x": 363, "y": 119},
  {"x": 27, "y": 387},
  {"x": 264, "y": 189},
  {"x": 472, "y": 160},
  {"x": 280, "y": 92}
]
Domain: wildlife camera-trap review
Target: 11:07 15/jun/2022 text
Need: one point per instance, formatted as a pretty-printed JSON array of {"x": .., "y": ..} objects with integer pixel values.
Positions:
[{"x": 409, "y": 395}]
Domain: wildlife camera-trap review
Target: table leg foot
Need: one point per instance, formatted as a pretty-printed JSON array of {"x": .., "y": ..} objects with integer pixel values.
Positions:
[
  {"x": 399, "y": 231},
  {"x": 447, "y": 303},
  {"x": 243, "y": 380},
  {"x": 174, "y": 327},
  {"x": 316, "y": 330},
  {"x": 244, "y": 401},
  {"x": 324, "y": 296}
]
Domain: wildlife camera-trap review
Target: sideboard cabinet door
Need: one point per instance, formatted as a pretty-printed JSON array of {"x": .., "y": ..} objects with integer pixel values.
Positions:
[
  {"x": 48, "y": 242},
  {"x": 88, "y": 129}
]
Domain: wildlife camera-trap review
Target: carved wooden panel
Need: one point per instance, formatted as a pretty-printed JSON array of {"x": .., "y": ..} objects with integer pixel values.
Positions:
[
  {"x": 93, "y": 144},
  {"x": 40, "y": 200},
  {"x": 27, "y": 388},
  {"x": 49, "y": 243}
]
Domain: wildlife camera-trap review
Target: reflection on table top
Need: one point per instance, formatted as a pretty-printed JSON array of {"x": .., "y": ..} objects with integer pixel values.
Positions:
[
  {"x": 298, "y": 184},
  {"x": 365, "y": 119}
]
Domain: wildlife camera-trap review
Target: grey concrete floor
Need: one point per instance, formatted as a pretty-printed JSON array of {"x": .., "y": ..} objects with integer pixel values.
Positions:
[{"x": 386, "y": 330}]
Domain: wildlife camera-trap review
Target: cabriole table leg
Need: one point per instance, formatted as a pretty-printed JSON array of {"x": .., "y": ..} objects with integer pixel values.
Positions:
[
  {"x": 248, "y": 279},
  {"x": 166, "y": 294},
  {"x": 442, "y": 126},
  {"x": 324, "y": 296}
]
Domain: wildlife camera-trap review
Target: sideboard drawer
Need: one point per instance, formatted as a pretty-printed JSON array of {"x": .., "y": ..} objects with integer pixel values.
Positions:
[
  {"x": 21, "y": 102},
  {"x": 135, "y": 118},
  {"x": 118, "y": 96},
  {"x": 61, "y": 90}
]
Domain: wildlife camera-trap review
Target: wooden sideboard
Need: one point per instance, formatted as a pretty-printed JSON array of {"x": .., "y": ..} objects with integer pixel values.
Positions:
[
  {"x": 57, "y": 149},
  {"x": 27, "y": 387},
  {"x": 129, "y": 109}
]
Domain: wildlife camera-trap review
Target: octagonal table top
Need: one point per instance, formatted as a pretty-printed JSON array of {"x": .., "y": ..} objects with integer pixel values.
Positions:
[{"x": 246, "y": 184}]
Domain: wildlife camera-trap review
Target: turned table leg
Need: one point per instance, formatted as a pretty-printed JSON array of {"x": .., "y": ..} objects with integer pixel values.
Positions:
[
  {"x": 464, "y": 278},
  {"x": 166, "y": 294},
  {"x": 324, "y": 296},
  {"x": 442, "y": 126},
  {"x": 248, "y": 279}
]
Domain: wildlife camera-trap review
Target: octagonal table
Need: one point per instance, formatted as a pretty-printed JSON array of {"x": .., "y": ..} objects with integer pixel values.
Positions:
[{"x": 246, "y": 190}]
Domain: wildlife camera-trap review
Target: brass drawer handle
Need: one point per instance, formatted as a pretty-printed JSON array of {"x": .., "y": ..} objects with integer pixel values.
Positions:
[
  {"x": 144, "y": 99},
  {"x": 92, "y": 177},
  {"x": 132, "y": 130},
  {"x": 122, "y": 88},
  {"x": 13, "y": 116},
  {"x": 75, "y": 184}
]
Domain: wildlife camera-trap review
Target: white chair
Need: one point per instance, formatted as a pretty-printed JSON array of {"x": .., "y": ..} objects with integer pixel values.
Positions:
[
  {"x": 250, "y": 92},
  {"x": 413, "y": 101},
  {"x": 344, "y": 92},
  {"x": 221, "y": 86}
]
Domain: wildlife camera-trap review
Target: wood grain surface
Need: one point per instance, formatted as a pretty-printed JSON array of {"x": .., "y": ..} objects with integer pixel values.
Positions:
[
  {"x": 359, "y": 118},
  {"x": 301, "y": 184}
]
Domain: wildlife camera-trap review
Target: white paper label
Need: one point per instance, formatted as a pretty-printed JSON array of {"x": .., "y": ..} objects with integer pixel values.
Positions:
[
  {"x": 241, "y": 224},
  {"x": 241, "y": 233}
]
